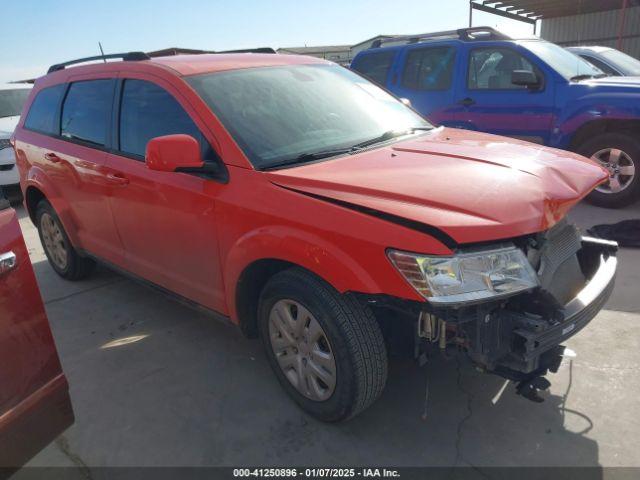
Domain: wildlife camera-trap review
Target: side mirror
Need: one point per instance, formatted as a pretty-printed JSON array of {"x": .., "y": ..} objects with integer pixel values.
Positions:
[
  {"x": 525, "y": 78},
  {"x": 172, "y": 153}
]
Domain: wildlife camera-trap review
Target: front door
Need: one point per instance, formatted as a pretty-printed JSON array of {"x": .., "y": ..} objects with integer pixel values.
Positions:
[
  {"x": 34, "y": 395},
  {"x": 167, "y": 221},
  {"x": 489, "y": 102}
]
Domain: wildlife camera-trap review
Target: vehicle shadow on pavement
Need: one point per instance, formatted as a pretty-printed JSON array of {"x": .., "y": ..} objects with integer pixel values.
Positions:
[{"x": 155, "y": 383}]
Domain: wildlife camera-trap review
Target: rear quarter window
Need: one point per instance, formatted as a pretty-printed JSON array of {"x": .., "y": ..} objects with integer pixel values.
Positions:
[
  {"x": 42, "y": 115},
  {"x": 375, "y": 66}
]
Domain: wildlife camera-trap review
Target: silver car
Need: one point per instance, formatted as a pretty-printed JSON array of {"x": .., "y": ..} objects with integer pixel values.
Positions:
[
  {"x": 12, "y": 98},
  {"x": 611, "y": 61}
]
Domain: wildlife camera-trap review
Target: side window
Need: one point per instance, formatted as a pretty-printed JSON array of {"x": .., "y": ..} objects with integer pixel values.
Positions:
[
  {"x": 490, "y": 68},
  {"x": 601, "y": 65},
  {"x": 42, "y": 116},
  {"x": 375, "y": 66},
  {"x": 86, "y": 111},
  {"x": 429, "y": 68},
  {"x": 148, "y": 111}
]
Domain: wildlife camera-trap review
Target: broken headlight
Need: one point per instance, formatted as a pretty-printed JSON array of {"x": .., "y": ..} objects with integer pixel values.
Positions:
[{"x": 466, "y": 277}]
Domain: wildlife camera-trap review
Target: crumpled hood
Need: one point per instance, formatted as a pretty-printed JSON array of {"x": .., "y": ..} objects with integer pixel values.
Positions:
[{"x": 474, "y": 187}]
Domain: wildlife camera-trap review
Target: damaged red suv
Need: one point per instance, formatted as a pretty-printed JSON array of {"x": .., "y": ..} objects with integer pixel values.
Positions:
[{"x": 314, "y": 210}]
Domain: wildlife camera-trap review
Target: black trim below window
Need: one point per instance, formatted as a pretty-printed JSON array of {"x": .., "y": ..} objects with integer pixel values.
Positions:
[{"x": 389, "y": 217}]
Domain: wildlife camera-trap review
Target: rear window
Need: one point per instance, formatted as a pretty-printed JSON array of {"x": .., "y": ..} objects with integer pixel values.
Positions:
[
  {"x": 11, "y": 101},
  {"x": 42, "y": 114},
  {"x": 374, "y": 66},
  {"x": 429, "y": 68},
  {"x": 87, "y": 110}
]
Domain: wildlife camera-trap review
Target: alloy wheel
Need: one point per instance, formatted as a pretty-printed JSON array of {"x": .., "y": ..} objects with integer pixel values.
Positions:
[
  {"x": 620, "y": 166},
  {"x": 302, "y": 350},
  {"x": 54, "y": 241}
]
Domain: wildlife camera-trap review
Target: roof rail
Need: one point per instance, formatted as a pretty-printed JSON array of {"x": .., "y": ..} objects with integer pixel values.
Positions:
[
  {"x": 250, "y": 50},
  {"x": 129, "y": 56},
  {"x": 464, "y": 34}
]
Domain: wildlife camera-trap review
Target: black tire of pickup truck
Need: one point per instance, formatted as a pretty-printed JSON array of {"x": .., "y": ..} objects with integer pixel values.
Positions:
[
  {"x": 76, "y": 267},
  {"x": 354, "y": 336},
  {"x": 631, "y": 147}
]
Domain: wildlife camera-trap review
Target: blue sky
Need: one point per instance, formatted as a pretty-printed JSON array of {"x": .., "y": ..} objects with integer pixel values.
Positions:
[{"x": 38, "y": 33}]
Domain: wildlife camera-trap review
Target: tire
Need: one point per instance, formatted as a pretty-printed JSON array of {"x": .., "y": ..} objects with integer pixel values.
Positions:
[
  {"x": 55, "y": 242},
  {"x": 349, "y": 334},
  {"x": 603, "y": 149}
]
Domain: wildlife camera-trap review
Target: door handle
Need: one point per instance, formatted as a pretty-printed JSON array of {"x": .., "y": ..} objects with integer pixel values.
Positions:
[
  {"x": 117, "y": 179},
  {"x": 52, "y": 157},
  {"x": 467, "y": 102},
  {"x": 8, "y": 261}
]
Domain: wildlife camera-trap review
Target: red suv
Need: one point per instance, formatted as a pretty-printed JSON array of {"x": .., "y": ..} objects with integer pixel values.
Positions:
[{"x": 313, "y": 209}]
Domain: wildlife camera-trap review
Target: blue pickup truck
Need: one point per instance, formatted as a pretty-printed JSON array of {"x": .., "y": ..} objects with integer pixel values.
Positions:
[{"x": 480, "y": 79}]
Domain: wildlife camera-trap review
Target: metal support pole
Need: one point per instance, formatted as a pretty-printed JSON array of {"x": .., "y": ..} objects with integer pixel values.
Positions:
[
  {"x": 623, "y": 13},
  {"x": 470, "y": 13}
]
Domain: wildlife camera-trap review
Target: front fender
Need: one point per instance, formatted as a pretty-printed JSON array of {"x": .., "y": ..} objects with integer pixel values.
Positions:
[
  {"x": 307, "y": 250},
  {"x": 621, "y": 106}
]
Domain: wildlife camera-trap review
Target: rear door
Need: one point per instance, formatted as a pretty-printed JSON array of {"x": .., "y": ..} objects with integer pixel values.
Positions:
[
  {"x": 34, "y": 398},
  {"x": 65, "y": 135},
  {"x": 424, "y": 74},
  {"x": 491, "y": 103}
]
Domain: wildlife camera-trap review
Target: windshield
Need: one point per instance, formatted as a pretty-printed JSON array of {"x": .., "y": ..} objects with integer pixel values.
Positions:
[
  {"x": 11, "y": 101},
  {"x": 629, "y": 65},
  {"x": 563, "y": 61},
  {"x": 280, "y": 114}
]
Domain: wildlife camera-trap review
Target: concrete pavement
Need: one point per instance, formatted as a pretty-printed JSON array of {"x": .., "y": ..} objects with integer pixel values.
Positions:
[{"x": 155, "y": 383}]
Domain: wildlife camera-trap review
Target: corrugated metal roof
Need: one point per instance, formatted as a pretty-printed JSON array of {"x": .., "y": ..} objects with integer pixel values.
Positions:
[{"x": 536, "y": 9}]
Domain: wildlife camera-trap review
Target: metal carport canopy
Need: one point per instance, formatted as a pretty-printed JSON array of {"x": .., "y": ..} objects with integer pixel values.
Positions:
[{"x": 531, "y": 10}]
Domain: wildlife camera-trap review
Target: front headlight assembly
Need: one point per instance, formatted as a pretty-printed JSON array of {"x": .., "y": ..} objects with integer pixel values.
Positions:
[{"x": 466, "y": 277}]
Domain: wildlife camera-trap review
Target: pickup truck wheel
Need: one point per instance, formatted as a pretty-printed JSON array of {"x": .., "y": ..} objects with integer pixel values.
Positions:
[
  {"x": 325, "y": 348},
  {"x": 620, "y": 155},
  {"x": 64, "y": 259}
]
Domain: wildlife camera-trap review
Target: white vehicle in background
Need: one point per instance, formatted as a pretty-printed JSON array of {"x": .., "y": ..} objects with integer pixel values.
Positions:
[
  {"x": 12, "y": 98},
  {"x": 611, "y": 61}
]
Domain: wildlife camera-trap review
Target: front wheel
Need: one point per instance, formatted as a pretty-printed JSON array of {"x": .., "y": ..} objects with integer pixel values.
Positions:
[
  {"x": 619, "y": 154},
  {"x": 325, "y": 348}
]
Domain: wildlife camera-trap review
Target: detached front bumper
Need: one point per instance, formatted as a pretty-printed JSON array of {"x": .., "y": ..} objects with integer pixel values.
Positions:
[
  {"x": 579, "y": 311},
  {"x": 520, "y": 338},
  {"x": 523, "y": 337}
]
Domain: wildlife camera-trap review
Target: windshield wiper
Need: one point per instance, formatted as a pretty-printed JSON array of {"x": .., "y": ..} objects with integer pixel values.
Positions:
[
  {"x": 586, "y": 76},
  {"x": 308, "y": 157}
]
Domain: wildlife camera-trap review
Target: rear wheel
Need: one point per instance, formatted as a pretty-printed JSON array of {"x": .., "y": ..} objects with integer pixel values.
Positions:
[
  {"x": 619, "y": 154},
  {"x": 64, "y": 259},
  {"x": 325, "y": 348}
]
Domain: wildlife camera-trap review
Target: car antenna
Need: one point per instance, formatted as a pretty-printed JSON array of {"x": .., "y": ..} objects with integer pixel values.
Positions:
[{"x": 102, "y": 52}]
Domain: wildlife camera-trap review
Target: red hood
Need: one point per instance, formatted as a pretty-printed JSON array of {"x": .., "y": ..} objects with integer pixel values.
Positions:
[{"x": 475, "y": 187}]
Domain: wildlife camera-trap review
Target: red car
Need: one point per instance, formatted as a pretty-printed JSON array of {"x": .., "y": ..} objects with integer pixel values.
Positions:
[
  {"x": 313, "y": 209},
  {"x": 34, "y": 394}
]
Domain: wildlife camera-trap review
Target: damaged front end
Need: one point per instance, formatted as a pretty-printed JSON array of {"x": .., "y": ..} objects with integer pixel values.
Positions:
[{"x": 513, "y": 324}]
